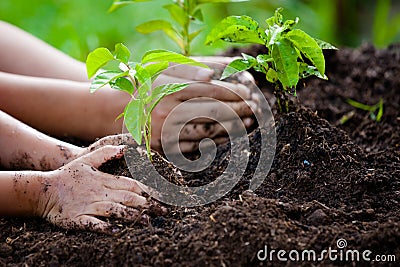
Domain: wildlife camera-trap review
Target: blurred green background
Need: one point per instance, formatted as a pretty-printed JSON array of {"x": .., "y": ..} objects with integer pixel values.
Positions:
[{"x": 79, "y": 26}]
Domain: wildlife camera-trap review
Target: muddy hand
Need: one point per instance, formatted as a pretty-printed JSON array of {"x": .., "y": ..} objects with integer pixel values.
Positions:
[
  {"x": 75, "y": 195},
  {"x": 113, "y": 140}
]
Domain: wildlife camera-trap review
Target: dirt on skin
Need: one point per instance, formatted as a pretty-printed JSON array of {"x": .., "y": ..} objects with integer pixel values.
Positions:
[{"x": 328, "y": 182}]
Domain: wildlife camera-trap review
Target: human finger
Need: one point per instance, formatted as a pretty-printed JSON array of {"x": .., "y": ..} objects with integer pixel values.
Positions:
[
  {"x": 198, "y": 131},
  {"x": 191, "y": 146},
  {"x": 224, "y": 91},
  {"x": 103, "y": 154},
  {"x": 128, "y": 199},
  {"x": 213, "y": 130},
  {"x": 189, "y": 72},
  {"x": 86, "y": 222},
  {"x": 125, "y": 183},
  {"x": 114, "y": 140},
  {"x": 217, "y": 62},
  {"x": 210, "y": 111},
  {"x": 112, "y": 209}
]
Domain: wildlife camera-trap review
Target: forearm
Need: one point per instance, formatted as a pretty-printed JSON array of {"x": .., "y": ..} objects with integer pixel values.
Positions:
[
  {"x": 22, "y": 53},
  {"x": 23, "y": 147},
  {"x": 20, "y": 192},
  {"x": 61, "y": 107}
]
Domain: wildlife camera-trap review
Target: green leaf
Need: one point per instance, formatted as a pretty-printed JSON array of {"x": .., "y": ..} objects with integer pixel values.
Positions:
[
  {"x": 165, "y": 55},
  {"x": 324, "y": 45},
  {"x": 380, "y": 110},
  {"x": 160, "y": 25},
  {"x": 122, "y": 53},
  {"x": 309, "y": 47},
  {"x": 161, "y": 91},
  {"x": 144, "y": 78},
  {"x": 305, "y": 71},
  {"x": 105, "y": 78},
  {"x": 248, "y": 58},
  {"x": 360, "y": 105},
  {"x": 198, "y": 14},
  {"x": 276, "y": 19},
  {"x": 264, "y": 59},
  {"x": 133, "y": 114},
  {"x": 289, "y": 24},
  {"x": 154, "y": 25},
  {"x": 178, "y": 14},
  {"x": 285, "y": 58},
  {"x": 155, "y": 69},
  {"x": 219, "y": 1},
  {"x": 120, "y": 3},
  {"x": 238, "y": 29},
  {"x": 97, "y": 59},
  {"x": 123, "y": 84},
  {"x": 276, "y": 27},
  {"x": 262, "y": 63},
  {"x": 271, "y": 75},
  {"x": 236, "y": 66}
]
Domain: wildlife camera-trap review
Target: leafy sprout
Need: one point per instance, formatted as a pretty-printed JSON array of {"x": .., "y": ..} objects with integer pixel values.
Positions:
[
  {"x": 136, "y": 79},
  {"x": 183, "y": 14},
  {"x": 292, "y": 53},
  {"x": 375, "y": 111}
]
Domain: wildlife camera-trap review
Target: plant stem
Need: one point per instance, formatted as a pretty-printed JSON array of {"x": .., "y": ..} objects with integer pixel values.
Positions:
[
  {"x": 185, "y": 32},
  {"x": 147, "y": 135}
]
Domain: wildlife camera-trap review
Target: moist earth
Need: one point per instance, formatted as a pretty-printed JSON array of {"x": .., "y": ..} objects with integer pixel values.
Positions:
[{"x": 328, "y": 181}]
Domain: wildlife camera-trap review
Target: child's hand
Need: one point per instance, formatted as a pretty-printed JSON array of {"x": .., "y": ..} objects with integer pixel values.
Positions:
[
  {"x": 75, "y": 195},
  {"x": 238, "y": 96}
]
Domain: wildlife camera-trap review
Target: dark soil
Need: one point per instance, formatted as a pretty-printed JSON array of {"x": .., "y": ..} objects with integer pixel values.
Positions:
[{"x": 328, "y": 181}]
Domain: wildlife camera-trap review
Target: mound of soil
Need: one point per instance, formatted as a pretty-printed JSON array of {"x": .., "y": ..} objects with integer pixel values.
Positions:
[{"x": 328, "y": 181}]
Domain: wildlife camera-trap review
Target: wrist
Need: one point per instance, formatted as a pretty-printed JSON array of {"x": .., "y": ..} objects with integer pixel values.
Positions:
[
  {"x": 22, "y": 192},
  {"x": 64, "y": 154}
]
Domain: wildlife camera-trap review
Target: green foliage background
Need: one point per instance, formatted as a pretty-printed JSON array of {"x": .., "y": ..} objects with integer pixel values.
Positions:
[{"x": 79, "y": 26}]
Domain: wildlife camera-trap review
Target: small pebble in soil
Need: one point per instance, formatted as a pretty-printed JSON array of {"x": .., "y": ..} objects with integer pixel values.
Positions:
[{"x": 318, "y": 217}]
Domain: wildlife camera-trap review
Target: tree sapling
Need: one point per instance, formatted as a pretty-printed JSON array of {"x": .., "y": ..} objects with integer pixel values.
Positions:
[
  {"x": 136, "y": 79},
  {"x": 292, "y": 53}
]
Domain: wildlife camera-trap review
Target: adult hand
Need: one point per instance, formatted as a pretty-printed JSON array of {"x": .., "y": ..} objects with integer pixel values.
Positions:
[
  {"x": 74, "y": 195},
  {"x": 203, "y": 83}
]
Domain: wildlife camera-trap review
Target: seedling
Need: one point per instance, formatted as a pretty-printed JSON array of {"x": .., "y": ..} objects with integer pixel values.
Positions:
[
  {"x": 375, "y": 111},
  {"x": 136, "y": 79},
  {"x": 292, "y": 53},
  {"x": 183, "y": 14}
]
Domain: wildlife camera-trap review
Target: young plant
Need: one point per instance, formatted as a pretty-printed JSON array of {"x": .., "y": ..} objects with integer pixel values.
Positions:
[
  {"x": 372, "y": 109},
  {"x": 292, "y": 53},
  {"x": 183, "y": 14},
  {"x": 136, "y": 79}
]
